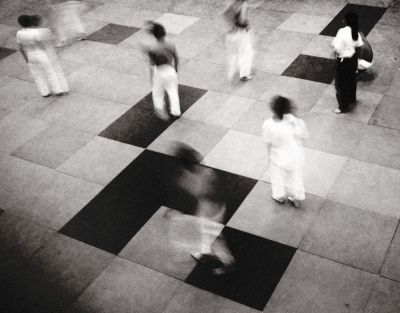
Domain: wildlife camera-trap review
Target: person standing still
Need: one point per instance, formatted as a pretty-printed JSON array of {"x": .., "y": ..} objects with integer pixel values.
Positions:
[
  {"x": 163, "y": 72},
  {"x": 283, "y": 134},
  {"x": 345, "y": 43}
]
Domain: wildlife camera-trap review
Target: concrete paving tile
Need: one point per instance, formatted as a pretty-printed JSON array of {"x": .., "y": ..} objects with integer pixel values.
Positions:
[
  {"x": 16, "y": 93},
  {"x": 386, "y": 113},
  {"x": 312, "y": 24},
  {"x": 385, "y": 297},
  {"x": 391, "y": 267}
]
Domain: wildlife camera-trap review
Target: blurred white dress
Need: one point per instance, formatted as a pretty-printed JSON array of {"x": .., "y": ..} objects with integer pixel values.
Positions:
[
  {"x": 286, "y": 155},
  {"x": 42, "y": 60},
  {"x": 239, "y": 45}
]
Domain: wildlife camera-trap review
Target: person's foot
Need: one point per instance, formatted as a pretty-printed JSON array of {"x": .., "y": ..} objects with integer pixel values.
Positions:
[
  {"x": 59, "y": 94},
  {"x": 280, "y": 201},
  {"x": 337, "y": 111},
  {"x": 245, "y": 78},
  {"x": 46, "y": 96},
  {"x": 226, "y": 269},
  {"x": 294, "y": 202}
]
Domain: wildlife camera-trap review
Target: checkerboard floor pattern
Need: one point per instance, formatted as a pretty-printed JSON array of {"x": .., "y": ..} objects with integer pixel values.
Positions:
[{"x": 85, "y": 180}]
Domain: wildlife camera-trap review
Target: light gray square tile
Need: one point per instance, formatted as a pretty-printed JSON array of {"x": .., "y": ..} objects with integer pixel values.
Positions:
[
  {"x": 312, "y": 285},
  {"x": 16, "y": 93},
  {"x": 391, "y": 266},
  {"x": 201, "y": 74},
  {"x": 350, "y": 236},
  {"x": 14, "y": 65},
  {"x": 239, "y": 153},
  {"x": 218, "y": 109},
  {"x": 394, "y": 89},
  {"x": 123, "y": 15},
  {"x": 202, "y": 137},
  {"x": 175, "y": 23},
  {"x": 100, "y": 161},
  {"x": 380, "y": 146},
  {"x": 189, "y": 299},
  {"x": 8, "y": 36},
  {"x": 110, "y": 85},
  {"x": 127, "y": 287},
  {"x": 264, "y": 217},
  {"x": 166, "y": 242},
  {"x": 60, "y": 271},
  {"x": 17, "y": 129},
  {"x": 385, "y": 297},
  {"x": 318, "y": 162},
  {"x": 56, "y": 200},
  {"x": 387, "y": 113},
  {"x": 264, "y": 20},
  {"x": 53, "y": 146},
  {"x": 272, "y": 62},
  {"x": 362, "y": 112},
  {"x": 89, "y": 114},
  {"x": 333, "y": 135},
  {"x": 382, "y": 79},
  {"x": 391, "y": 16},
  {"x": 303, "y": 93},
  {"x": 4, "y": 79},
  {"x": 312, "y": 24},
  {"x": 357, "y": 186}
]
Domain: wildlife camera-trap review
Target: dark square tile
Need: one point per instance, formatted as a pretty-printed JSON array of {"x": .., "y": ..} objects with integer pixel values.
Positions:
[
  {"x": 137, "y": 126},
  {"x": 59, "y": 272},
  {"x": 368, "y": 16},
  {"x": 5, "y": 52},
  {"x": 312, "y": 68},
  {"x": 187, "y": 97},
  {"x": 260, "y": 264},
  {"x": 113, "y": 34}
]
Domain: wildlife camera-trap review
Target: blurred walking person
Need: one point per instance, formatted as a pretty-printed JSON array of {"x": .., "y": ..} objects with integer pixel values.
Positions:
[
  {"x": 283, "y": 134},
  {"x": 202, "y": 182},
  {"x": 345, "y": 43},
  {"x": 239, "y": 41},
  {"x": 36, "y": 45},
  {"x": 164, "y": 64}
]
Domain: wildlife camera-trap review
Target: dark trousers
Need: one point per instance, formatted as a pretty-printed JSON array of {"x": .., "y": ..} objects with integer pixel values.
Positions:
[{"x": 346, "y": 82}]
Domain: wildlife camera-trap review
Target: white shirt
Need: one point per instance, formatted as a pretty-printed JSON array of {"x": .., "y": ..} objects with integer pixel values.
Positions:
[
  {"x": 30, "y": 38},
  {"x": 344, "y": 44},
  {"x": 285, "y": 137}
]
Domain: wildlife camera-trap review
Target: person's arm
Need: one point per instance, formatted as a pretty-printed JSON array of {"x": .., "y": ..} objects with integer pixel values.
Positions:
[
  {"x": 176, "y": 58},
  {"x": 21, "y": 49}
]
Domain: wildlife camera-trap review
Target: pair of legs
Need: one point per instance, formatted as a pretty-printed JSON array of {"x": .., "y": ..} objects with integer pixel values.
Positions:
[
  {"x": 240, "y": 58},
  {"x": 346, "y": 83},
  {"x": 287, "y": 184},
  {"x": 165, "y": 79},
  {"x": 47, "y": 73}
]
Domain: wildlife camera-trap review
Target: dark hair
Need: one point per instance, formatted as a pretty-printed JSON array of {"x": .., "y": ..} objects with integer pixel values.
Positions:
[
  {"x": 157, "y": 30},
  {"x": 280, "y": 106},
  {"x": 29, "y": 20},
  {"x": 187, "y": 156},
  {"x": 351, "y": 19}
]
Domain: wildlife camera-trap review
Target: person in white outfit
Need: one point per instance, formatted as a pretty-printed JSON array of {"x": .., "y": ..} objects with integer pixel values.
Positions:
[
  {"x": 163, "y": 72},
  {"x": 283, "y": 134},
  {"x": 35, "y": 45},
  {"x": 239, "y": 41}
]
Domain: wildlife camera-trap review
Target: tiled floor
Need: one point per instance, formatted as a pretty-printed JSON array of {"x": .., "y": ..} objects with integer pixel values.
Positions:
[{"x": 91, "y": 219}]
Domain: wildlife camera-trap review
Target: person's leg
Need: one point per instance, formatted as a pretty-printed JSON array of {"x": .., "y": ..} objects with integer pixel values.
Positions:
[
  {"x": 340, "y": 85},
  {"x": 171, "y": 86},
  {"x": 231, "y": 44},
  {"x": 39, "y": 77},
  {"x": 278, "y": 183},
  {"x": 245, "y": 57},
  {"x": 158, "y": 95},
  {"x": 295, "y": 184}
]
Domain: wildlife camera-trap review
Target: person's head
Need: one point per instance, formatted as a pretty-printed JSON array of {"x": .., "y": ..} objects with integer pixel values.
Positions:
[
  {"x": 29, "y": 20},
  {"x": 157, "y": 30},
  {"x": 187, "y": 156},
  {"x": 351, "y": 19},
  {"x": 280, "y": 106}
]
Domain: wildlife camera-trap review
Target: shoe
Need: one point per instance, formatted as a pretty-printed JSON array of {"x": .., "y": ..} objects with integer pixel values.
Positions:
[
  {"x": 294, "y": 202},
  {"x": 278, "y": 200},
  {"x": 337, "y": 111},
  {"x": 46, "y": 96},
  {"x": 245, "y": 78}
]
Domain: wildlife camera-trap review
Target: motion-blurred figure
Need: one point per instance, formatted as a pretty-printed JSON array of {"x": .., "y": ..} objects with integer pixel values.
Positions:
[
  {"x": 239, "y": 41},
  {"x": 66, "y": 20},
  {"x": 36, "y": 46},
  {"x": 283, "y": 134},
  {"x": 202, "y": 182},
  {"x": 345, "y": 43},
  {"x": 365, "y": 57},
  {"x": 163, "y": 72}
]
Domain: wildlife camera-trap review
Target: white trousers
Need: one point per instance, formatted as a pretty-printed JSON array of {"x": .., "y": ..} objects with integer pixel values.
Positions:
[
  {"x": 47, "y": 73},
  {"x": 165, "y": 79},
  {"x": 240, "y": 53},
  {"x": 287, "y": 183}
]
